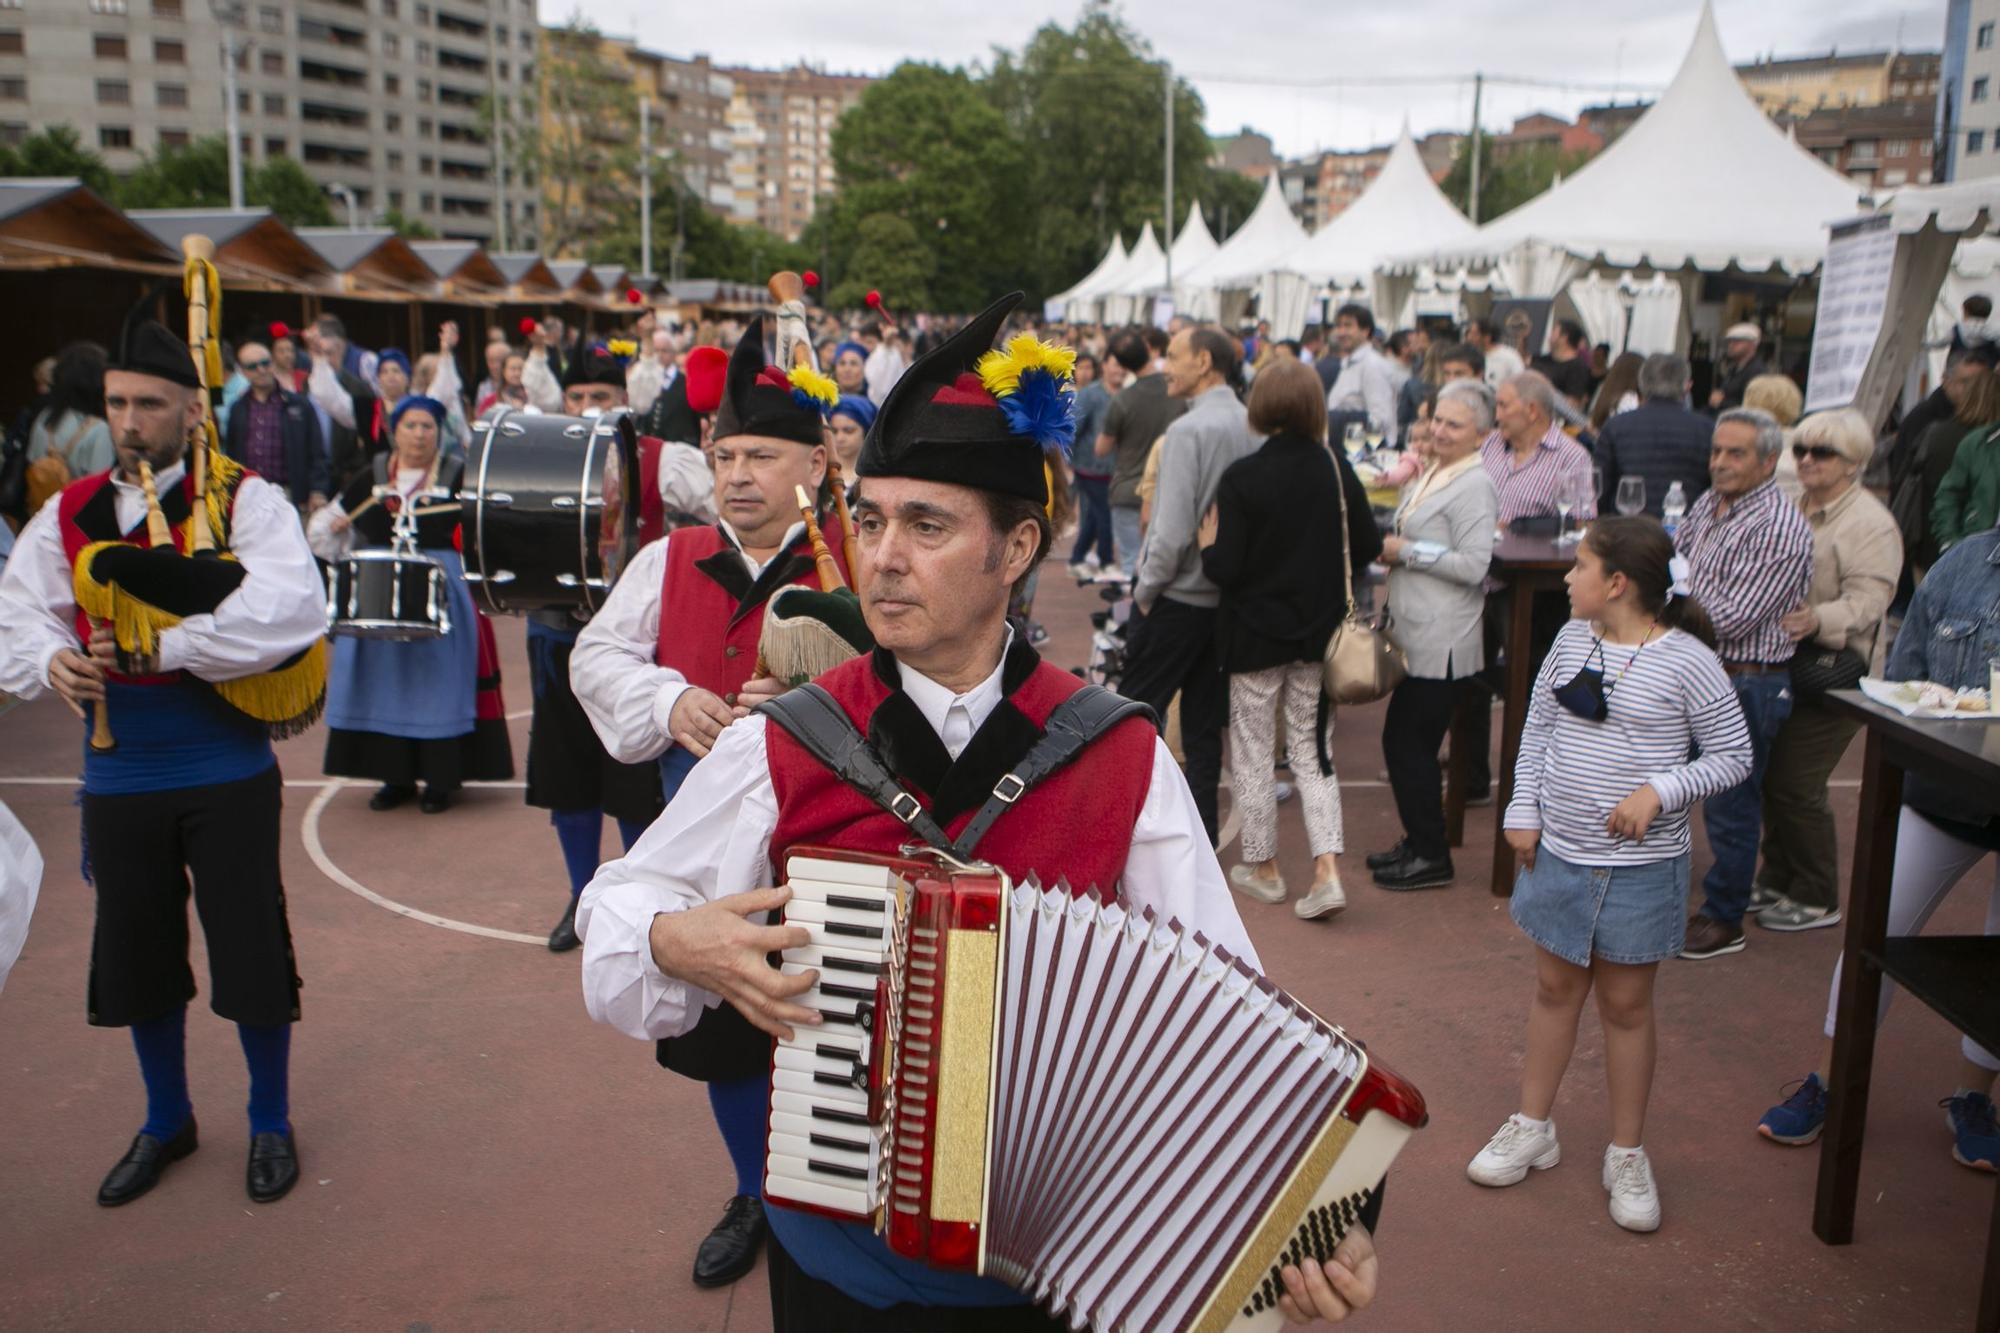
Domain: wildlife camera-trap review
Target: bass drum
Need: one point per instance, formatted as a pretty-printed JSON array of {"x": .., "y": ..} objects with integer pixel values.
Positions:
[{"x": 551, "y": 510}]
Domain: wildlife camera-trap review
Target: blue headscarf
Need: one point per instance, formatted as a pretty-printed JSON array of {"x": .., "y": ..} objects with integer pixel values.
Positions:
[
  {"x": 416, "y": 402},
  {"x": 855, "y": 407},
  {"x": 851, "y": 346},
  {"x": 392, "y": 356}
]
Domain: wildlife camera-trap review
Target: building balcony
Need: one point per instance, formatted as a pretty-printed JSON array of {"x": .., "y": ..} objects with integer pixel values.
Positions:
[
  {"x": 321, "y": 114},
  {"x": 463, "y": 171},
  {"x": 339, "y": 76},
  {"x": 460, "y": 62},
  {"x": 331, "y": 154}
]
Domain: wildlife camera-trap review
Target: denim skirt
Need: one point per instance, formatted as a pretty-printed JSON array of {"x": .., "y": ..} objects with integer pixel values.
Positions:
[{"x": 1622, "y": 914}]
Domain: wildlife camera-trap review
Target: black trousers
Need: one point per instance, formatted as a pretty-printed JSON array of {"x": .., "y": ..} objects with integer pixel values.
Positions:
[
  {"x": 1173, "y": 651},
  {"x": 801, "y": 1303},
  {"x": 1419, "y": 715},
  {"x": 1475, "y": 693},
  {"x": 143, "y": 848}
]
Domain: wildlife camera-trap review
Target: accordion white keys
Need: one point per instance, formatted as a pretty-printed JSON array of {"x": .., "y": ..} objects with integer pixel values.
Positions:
[{"x": 984, "y": 1041}]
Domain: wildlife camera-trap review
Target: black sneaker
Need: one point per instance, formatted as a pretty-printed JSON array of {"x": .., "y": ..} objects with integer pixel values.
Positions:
[
  {"x": 1416, "y": 873},
  {"x": 1395, "y": 855}
]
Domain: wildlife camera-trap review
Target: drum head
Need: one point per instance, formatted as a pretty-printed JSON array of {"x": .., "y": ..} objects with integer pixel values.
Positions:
[
  {"x": 377, "y": 594},
  {"x": 551, "y": 509}
]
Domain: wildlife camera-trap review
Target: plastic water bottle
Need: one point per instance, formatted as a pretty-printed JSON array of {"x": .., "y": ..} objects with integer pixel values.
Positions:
[{"x": 1673, "y": 508}]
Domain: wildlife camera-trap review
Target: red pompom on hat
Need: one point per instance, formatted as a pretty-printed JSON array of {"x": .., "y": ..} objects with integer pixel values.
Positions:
[
  {"x": 279, "y": 329},
  {"x": 873, "y": 300},
  {"x": 810, "y": 278},
  {"x": 527, "y": 328},
  {"x": 634, "y": 296},
  {"x": 706, "y": 369}
]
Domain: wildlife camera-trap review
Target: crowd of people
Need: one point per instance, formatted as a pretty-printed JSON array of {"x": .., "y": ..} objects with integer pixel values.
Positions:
[{"x": 1244, "y": 495}]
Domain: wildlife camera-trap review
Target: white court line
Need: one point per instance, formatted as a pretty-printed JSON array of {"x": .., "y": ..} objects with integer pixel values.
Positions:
[{"x": 309, "y": 833}]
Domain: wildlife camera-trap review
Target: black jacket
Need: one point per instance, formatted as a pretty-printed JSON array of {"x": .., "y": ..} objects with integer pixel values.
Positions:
[
  {"x": 350, "y": 450},
  {"x": 670, "y": 418},
  {"x": 1736, "y": 381},
  {"x": 306, "y": 470},
  {"x": 1280, "y": 557},
  {"x": 1661, "y": 441}
]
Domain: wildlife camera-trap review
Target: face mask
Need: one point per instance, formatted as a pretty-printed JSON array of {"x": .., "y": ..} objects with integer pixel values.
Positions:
[{"x": 1585, "y": 695}]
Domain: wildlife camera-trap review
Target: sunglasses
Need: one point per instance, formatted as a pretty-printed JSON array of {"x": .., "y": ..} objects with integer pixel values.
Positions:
[
  {"x": 254, "y": 365},
  {"x": 1825, "y": 453}
]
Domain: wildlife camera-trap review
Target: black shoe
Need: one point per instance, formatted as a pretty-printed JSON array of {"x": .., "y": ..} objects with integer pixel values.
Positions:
[
  {"x": 1394, "y": 856},
  {"x": 274, "y": 1167},
  {"x": 143, "y": 1164},
  {"x": 563, "y": 938},
  {"x": 435, "y": 802},
  {"x": 388, "y": 796},
  {"x": 730, "y": 1251},
  {"x": 1416, "y": 873}
]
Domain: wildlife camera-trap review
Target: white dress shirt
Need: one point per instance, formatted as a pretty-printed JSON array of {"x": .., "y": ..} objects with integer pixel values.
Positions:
[
  {"x": 276, "y": 612},
  {"x": 1365, "y": 385},
  {"x": 715, "y": 840},
  {"x": 628, "y": 696},
  {"x": 687, "y": 480}
]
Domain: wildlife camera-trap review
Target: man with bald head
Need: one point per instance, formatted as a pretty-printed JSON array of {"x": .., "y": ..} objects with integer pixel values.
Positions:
[{"x": 275, "y": 433}]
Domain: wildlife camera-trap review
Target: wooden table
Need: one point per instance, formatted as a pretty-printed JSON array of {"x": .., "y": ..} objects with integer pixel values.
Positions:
[
  {"x": 1959, "y": 977},
  {"x": 1528, "y": 565}
]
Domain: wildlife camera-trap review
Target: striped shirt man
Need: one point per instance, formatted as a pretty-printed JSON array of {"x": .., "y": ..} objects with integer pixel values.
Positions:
[
  {"x": 1666, "y": 700},
  {"x": 1559, "y": 467},
  {"x": 1750, "y": 565}
]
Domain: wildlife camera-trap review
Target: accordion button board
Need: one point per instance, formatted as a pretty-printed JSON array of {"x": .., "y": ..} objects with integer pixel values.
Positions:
[{"x": 981, "y": 1038}]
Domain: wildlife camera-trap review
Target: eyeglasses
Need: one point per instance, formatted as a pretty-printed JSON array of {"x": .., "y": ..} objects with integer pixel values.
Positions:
[
  {"x": 248, "y": 366},
  {"x": 1825, "y": 453}
]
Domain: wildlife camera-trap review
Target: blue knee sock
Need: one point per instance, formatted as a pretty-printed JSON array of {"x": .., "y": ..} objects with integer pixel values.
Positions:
[
  {"x": 580, "y": 832},
  {"x": 740, "y": 1108},
  {"x": 162, "y": 1048},
  {"x": 268, "y": 1054},
  {"x": 629, "y": 831}
]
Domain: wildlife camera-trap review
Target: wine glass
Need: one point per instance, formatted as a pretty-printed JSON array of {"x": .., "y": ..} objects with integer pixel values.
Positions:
[
  {"x": 1631, "y": 496},
  {"x": 1565, "y": 501},
  {"x": 1374, "y": 438},
  {"x": 1355, "y": 436}
]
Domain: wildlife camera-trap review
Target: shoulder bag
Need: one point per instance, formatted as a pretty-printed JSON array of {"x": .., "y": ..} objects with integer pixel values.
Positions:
[{"x": 1361, "y": 665}]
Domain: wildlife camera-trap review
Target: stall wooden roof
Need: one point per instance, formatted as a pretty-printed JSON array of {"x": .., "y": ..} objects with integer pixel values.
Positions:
[
  {"x": 371, "y": 262},
  {"x": 463, "y": 267},
  {"x": 253, "y": 247},
  {"x": 527, "y": 275},
  {"x": 60, "y": 222},
  {"x": 575, "y": 276}
]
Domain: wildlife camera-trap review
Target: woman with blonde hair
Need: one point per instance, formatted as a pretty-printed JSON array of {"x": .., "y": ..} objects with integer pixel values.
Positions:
[
  {"x": 1857, "y": 558},
  {"x": 1779, "y": 396}
]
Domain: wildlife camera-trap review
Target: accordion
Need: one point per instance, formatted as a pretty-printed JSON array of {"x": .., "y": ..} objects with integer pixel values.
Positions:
[{"x": 983, "y": 1041}]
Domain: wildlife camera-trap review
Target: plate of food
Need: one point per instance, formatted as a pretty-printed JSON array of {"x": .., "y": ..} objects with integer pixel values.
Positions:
[{"x": 1929, "y": 699}]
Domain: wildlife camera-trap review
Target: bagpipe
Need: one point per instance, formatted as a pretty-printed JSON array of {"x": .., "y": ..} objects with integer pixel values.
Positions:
[{"x": 142, "y": 591}]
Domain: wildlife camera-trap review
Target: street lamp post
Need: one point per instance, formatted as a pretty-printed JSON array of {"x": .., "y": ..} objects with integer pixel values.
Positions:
[
  {"x": 346, "y": 196},
  {"x": 228, "y": 13}
]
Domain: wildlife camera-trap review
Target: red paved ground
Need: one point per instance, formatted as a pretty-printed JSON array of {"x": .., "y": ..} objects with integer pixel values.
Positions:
[{"x": 478, "y": 1155}]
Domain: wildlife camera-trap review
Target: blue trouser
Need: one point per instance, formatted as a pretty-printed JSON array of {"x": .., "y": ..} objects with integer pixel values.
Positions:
[
  {"x": 1093, "y": 524},
  {"x": 1735, "y": 818},
  {"x": 1125, "y": 524}
]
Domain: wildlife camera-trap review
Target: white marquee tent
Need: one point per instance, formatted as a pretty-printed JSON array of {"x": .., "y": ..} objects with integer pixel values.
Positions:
[
  {"x": 1086, "y": 301},
  {"x": 1115, "y": 302},
  {"x": 1401, "y": 210},
  {"x": 1191, "y": 248},
  {"x": 1702, "y": 183},
  {"x": 1114, "y": 260},
  {"x": 1244, "y": 261}
]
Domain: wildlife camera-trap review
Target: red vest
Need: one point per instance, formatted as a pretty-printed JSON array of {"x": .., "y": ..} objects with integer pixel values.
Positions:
[
  {"x": 1077, "y": 825},
  {"x": 78, "y": 495},
  {"x": 708, "y": 633}
]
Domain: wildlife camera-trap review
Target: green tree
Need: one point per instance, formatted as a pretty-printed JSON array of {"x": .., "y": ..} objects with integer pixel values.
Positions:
[
  {"x": 410, "y": 229},
  {"x": 1227, "y": 200},
  {"x": 711, "y": 246},
  {"x": 282, "y": 186},
  {"x": 1510, "y": 179},
  {"x": 194, "y": 176},
  {"x": 888, "y": 256},
  {"x": 1086, "y": 103},
  {"x": 576, "y": 139},
  {"x": 57, "y": 151},
  {"x": 926, "y": 145}
]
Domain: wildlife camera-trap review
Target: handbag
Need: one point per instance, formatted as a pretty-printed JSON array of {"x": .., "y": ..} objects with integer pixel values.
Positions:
[
  {"x": 1817, "y": 670},
  {"x": 1360, "y": 664}
]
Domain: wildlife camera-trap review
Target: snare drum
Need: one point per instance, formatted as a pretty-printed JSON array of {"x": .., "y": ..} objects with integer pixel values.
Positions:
[
  {"x": 382, "y": 594},
  {"x": 551, "y": 509}
]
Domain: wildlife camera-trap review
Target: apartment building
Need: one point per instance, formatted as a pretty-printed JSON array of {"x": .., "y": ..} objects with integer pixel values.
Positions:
[
  {"x": 781, "y": 142},
  {"x": 382, "y": 101},
  {"x": 1968, "y": 105}
]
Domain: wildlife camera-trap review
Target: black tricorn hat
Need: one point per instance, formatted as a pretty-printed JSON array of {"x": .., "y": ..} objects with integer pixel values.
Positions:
[
  {"x": 758, "y": 399},
  {"x": 942, "y": 423},
  {"x": 148, "y": 347},
  {"x": 595, "y": 365}
]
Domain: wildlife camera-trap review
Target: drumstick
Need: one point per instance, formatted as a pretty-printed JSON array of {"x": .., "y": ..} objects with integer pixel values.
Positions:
[{"x": 829, "y": 572}]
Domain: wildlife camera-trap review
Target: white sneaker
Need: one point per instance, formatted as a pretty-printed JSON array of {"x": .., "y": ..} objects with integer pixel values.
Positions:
[
  {"x": 1084, "y": 570},
  {"x": 1510, "y": 1154},
  {"x": 1324, "y": 900},
  {"x": 1628, "y": 1179},
  {"x": 1248, "y": 881}
]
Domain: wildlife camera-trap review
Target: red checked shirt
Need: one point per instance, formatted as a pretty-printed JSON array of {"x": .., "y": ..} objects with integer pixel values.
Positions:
[{"x": 1749, "y": 566}]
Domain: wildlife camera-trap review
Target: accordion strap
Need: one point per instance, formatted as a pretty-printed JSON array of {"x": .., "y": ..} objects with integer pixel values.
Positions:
[{"x": 812, "y": 718}]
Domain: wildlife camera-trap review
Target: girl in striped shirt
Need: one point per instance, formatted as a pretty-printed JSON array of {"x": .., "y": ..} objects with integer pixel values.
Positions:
[{"x": 1599, "y": 824}]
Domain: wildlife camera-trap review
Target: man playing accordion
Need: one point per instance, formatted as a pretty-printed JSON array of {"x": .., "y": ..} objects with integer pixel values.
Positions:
[{"x": 961, "y": 488}]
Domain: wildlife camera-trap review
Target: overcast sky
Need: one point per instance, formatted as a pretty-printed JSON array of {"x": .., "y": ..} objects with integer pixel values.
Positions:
[{"x": 1634, "y": 45}]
